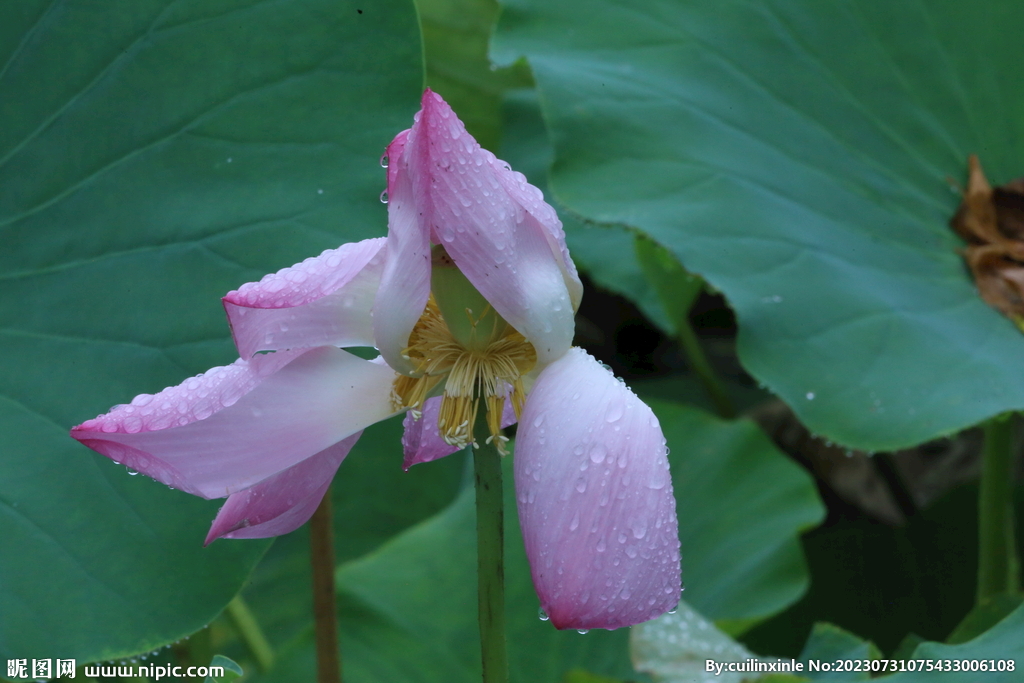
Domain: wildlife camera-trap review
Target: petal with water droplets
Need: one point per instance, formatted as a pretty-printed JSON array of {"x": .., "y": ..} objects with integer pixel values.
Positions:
[
  {"x": 283, "y": 502},
  {"x": 595, "y": 499},
  {"x": 233, "y": 427},
  {"x": 405, "y": 280},
  {"x": 502, "y": 235},
  {"x": 325, "y": 300}
]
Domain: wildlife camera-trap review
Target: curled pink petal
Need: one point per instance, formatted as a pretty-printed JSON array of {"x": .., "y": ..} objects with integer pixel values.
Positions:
[
  {"x": 595, "y": 499},
  {"x": 325, "y": 300},
  {"x": 231, "y": 428},
  {"x": 502, "y": 235},
  {"x": 283, "y": 502},
  {"x": 405, "y": 281},
  {"x": 422, "y": 440}
]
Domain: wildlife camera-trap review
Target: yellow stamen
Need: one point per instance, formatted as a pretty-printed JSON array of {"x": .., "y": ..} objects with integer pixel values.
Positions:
[{"x": 494, "y": 361}]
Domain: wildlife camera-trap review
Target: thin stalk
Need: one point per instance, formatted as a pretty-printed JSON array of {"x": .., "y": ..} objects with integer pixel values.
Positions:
[
  {"x": 490, "y": 539},
  {"x": 998, "y": 566},
  {"x": 700, "y": 365},
  {"x": 325, "y": 615},
  {"x": 249, "y": 628}
]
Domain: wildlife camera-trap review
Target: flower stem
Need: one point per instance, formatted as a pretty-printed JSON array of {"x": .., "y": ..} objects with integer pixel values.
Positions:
[
  {"x": 998, "y": 565},
  {"x": 325, "y": 615},
  {"x": 490, "y": 539},
  {"x": 702, "y": 367},
  {"x": 249, "y": 628}
]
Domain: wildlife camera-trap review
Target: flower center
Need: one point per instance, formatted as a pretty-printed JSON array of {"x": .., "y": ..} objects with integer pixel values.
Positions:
[{"x": 480, "y": 356}]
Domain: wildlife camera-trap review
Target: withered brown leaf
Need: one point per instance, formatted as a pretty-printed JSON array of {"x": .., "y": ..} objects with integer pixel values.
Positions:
[{"x": 992, "y": 222}]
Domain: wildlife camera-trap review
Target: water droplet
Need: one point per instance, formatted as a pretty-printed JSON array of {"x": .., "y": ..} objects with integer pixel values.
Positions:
[
  {"x": 384, "y": 161},
  {"x": 614, "y": 412},
  {"x": 598, "y": 453},
  {"x": 131, "y": 472},
  {"x": 581, "y": 484},
  {"x": 583, "y": 631},
  {"x": 673, "y": 610},
  {"x": 384, "y": 197},
  {"x": 542, "y": 615},
  {"x": 810, "y": 395},
  {"x": 575, "y": 522}
]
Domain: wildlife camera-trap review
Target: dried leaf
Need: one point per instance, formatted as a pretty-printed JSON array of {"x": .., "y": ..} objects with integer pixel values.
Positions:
[{"x": 992, "y": 222}]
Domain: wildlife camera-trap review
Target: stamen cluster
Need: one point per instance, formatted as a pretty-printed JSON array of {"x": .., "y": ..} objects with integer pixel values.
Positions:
[{"x": 489, "y": 365}]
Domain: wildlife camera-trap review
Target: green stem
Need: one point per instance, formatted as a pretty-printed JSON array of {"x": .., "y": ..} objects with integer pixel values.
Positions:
[
  {"x": 490, "y": 539},
  {"x": 249, "y": 628},
  {"x": 998, "y": 565},
  {"x": 325, "y": 613},
  {"x": 700, "y": 365}
]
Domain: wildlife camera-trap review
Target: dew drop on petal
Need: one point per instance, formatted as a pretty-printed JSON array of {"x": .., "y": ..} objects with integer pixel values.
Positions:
[
  {"x": 542, "y": 615},
  {"x": 384, "y": 197}
]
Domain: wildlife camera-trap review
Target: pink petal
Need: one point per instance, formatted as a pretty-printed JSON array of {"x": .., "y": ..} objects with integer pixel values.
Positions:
[
  {"x": 283, "y": 502},
  {"x": 595, "y": 499},
  {"x": 422, "y": 440},
  {"x": 506, "y": 240},
  {"x": 234, "y": 426},
  {"x": 405, "y": 281},
  {"x": 323, "y": 301}
]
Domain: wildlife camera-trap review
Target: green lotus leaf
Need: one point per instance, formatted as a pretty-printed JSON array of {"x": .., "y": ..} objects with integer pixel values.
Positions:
[{"x": 802, "y": 157}]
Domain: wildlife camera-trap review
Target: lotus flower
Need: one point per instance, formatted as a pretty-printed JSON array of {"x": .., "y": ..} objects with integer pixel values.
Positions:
[{"x": 470, "y": 300}]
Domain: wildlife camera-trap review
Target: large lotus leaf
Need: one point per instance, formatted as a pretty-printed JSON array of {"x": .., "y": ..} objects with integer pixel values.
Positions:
[
  {"x": 154, "y": 155},
  {"x": 799, "y": 156}
]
